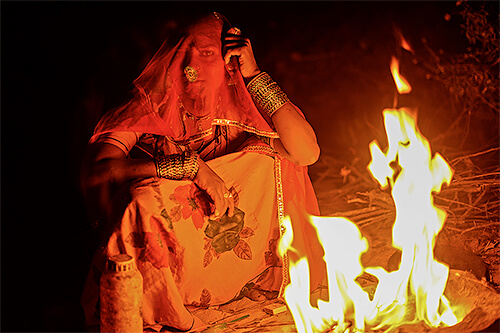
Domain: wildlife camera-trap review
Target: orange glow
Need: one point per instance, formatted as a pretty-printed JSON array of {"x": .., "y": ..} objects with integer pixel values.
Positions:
[
  {"x": 403, "y": 42},
  {"x": 405, "y": 45},
  {"x": 401, "y": 84},
  {"x": 420, "y": 279}
]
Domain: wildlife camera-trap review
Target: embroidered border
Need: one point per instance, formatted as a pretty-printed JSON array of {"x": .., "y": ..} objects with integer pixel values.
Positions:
[
  {"x": 244, "y": 127},
  {"x": 208, "y": 132},
  {"x": 266, "y": 150},
  {"x": 281, "y": 216}
]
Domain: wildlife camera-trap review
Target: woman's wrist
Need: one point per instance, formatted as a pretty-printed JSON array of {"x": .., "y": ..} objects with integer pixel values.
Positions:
[
  {"x": 177, "y": 166},
  {"x": 266, "y": 93},
  {"x": 248, "y": 79}
]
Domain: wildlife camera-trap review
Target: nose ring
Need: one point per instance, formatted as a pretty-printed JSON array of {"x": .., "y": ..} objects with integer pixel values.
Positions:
[{"x": 191, "y": 74}]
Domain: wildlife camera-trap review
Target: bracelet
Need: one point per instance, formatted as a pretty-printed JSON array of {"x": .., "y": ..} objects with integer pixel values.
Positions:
[
  {"x": 191, "y": 165},
  {"x": 177, "y": 166},
  {"x": 266, "y": 93}
]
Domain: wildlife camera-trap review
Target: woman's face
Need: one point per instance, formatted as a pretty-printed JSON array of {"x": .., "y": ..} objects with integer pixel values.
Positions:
[{"x": 203, "y": 69}]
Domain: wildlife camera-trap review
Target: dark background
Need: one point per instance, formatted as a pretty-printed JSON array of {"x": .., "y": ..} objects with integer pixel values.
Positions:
[{"x": 64, "y": 64}]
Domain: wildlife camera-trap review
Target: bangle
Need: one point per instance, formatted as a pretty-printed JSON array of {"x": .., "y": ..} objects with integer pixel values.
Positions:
[
  {"x": 266, "y": 93},
  {"x": 191, "y": 165},
  {"x": 177, "y": 166}
]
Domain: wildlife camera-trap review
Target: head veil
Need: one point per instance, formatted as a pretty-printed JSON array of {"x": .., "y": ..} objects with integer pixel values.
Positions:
[{"x": 155, "y": 108}]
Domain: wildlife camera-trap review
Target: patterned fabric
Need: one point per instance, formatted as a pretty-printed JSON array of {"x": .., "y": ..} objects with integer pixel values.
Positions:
[{"x": 185, "y": 257}]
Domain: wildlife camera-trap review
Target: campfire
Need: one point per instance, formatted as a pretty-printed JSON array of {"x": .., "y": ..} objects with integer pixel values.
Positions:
[{"x": 412, "y": 294}]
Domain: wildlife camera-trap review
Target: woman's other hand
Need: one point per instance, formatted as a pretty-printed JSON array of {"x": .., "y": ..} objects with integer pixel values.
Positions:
[
  {"x": 215, "y": 187},
  {"x": 238, "y": 46}
]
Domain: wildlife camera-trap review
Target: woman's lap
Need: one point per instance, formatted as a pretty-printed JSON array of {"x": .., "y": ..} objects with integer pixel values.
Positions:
[{"x": 187, "y": 258}]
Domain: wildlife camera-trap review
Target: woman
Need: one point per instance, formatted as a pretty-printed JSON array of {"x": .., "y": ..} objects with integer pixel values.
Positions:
[{"x": 214, "y": 155}]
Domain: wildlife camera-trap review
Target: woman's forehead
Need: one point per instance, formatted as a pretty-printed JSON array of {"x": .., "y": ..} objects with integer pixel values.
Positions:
[
  {"x": 207, "y": 32},
  {"x": 206, "y": 25},
  {"x": 202, "y": 40}
]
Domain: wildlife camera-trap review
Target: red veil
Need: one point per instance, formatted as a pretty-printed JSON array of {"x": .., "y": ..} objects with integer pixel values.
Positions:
[{"x": 155, "y": 108}]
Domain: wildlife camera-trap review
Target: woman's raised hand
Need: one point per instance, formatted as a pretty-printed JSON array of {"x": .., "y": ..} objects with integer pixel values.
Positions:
[
  {"x": 215, "y": 187},
  {"x": 240, "y": 47}
]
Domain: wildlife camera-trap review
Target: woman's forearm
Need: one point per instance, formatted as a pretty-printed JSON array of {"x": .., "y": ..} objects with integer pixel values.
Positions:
[
  {"x": 297, "y": 140},
  {"x": 106, "y": 163},
  {"x": 120, "y": 169},
  {"x": 297, "y": 137}
]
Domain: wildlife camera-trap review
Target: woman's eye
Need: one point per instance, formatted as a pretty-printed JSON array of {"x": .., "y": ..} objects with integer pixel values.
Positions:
[{"x": 206, "y": 53}]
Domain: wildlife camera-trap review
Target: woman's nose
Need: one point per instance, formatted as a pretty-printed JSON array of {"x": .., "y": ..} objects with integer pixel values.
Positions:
[{"x": 188, "y": 59}]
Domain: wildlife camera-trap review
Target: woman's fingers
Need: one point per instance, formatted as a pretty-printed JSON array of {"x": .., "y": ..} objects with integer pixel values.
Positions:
[
  {"x": 238, "y": 42},
  {"x": 220, "y": 205},
  {"x": 230, "y": 201},
  {"x": 224, "y": 204},
  {"x": 234, "y": 49},
  {"x": 215, "y": 187},
  {"x": 230, "y": 53},
  {"x": 236, "y": 45}
]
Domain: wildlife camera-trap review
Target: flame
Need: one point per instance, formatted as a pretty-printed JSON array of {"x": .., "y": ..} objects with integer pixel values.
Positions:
[
  {"x": 402, "y": 41},
  {"x": 417, "y": 222},
  {"x": 342, "y": 270},
  {"x": 410, "y": 294},
  {"x": 405, "y": 45},
  {"x": 401, "y": 84}
]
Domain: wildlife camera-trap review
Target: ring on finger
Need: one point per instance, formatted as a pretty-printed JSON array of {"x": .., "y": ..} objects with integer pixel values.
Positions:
[{"x": 228, "y": 195}]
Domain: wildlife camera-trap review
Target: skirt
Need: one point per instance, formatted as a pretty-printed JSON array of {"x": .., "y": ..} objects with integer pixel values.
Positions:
[{"x": 184, "y": 256}]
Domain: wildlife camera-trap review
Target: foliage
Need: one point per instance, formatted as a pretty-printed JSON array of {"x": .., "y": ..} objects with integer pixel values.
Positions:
[{"x": 472, "y": 77}]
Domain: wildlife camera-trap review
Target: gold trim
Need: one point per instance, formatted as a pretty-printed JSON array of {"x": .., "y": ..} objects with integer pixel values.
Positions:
[
  {"x": 266, "y": 150},
  {"x": 280, "y": 203},
  {"x": 281, "y": 216},
  {"x": 224, "y": 122},
  {"x": 244, "y": 127}
]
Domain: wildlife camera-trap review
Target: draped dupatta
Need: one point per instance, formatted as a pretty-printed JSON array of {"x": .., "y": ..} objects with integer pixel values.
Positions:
[{"x": 156, "y": 106}]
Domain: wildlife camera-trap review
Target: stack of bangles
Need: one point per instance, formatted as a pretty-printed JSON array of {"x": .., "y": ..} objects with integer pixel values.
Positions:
[
  {"x": 266, "y": 93},
  {"x": 177, "y": 166}
]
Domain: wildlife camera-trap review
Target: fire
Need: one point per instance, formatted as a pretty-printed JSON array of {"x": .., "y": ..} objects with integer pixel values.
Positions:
[
  {"x": 401, "y": 84},
  {"x": 402, "y": 41},
  {"x": 345, "y": 295},
  {"x": 417, "y": 223},
  {"x": 405, "y": 45},
  {"x": 420, "y": 278},
  {"x": 414, "y": 292}
]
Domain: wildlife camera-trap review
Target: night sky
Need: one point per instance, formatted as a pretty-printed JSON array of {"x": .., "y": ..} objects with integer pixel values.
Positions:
[{"x": 65, "y": 63}]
